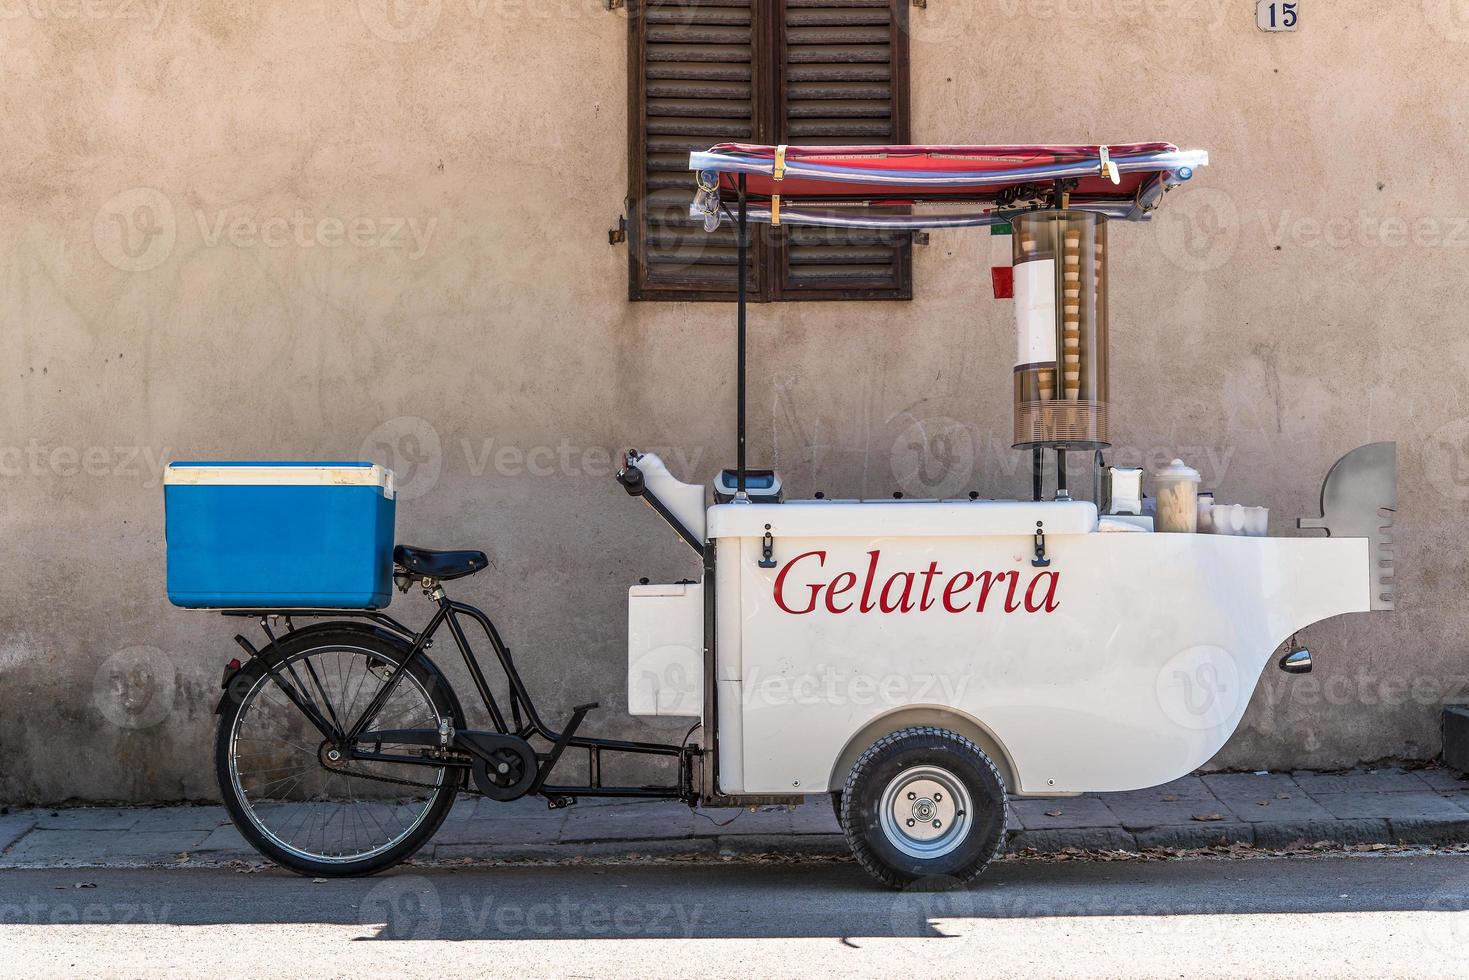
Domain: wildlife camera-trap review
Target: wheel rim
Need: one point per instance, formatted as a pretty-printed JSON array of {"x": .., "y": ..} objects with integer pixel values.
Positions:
[
  {"x": 925, "y": 812},
  {"x": 278, "y": 761}
]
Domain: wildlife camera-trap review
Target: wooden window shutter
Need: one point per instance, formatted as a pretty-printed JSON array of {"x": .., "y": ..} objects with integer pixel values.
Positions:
[
  {"x": 844, "y": 80},
  {"x": 695, "y": 68},
  {"x": 764, "y": 71}
]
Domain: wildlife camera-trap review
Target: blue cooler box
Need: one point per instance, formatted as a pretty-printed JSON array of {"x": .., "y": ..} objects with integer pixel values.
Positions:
[{"x": 257, "y": 535}]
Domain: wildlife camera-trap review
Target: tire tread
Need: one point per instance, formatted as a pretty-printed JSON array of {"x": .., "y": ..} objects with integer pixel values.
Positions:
[{"x": 863, "y": 852}]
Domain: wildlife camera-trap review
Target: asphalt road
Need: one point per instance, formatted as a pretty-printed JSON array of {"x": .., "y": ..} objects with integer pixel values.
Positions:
[{"x": 1361, "y": 916}]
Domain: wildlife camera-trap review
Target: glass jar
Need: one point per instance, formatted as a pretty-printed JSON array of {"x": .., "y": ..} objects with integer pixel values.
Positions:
[
  {"x": 1176, "y": 489},
  {"x": 1206, "y": 514}
]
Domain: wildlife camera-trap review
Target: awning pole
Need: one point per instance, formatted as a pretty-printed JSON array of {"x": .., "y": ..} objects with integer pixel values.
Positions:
[{"x": 740, "y": 317}]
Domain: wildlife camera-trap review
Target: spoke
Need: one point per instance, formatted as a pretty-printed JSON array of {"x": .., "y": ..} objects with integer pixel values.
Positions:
[
  {"x": 304, "y": 810},
  {"x": 273, "y": 741},
  {"x": 331, "y": 711},
  {"x": 341, "y": 679},
  {"x": 299, "y": 772},
  {"x": 355, "y": 815},
  {"x": 258, "y": 772},
  {"x": 358, "y": 685},
  {"x": 367, "y": 675},
  {"x": 289, "y": 707},
  {"x": 367, "y": 808},
  {"x": 293, "y": 782},
  {"x": 296, "y": 684}
]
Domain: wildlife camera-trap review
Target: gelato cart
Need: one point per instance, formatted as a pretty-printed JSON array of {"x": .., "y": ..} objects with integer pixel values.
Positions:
[{"x": 917, "y": 662}]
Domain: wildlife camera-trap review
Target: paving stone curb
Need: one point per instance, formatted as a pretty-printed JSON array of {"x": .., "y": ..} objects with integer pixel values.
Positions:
[{"x": 1391, "y": 806}]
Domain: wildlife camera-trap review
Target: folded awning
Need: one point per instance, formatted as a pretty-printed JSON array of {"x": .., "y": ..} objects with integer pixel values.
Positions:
[{"x": 850, "y": 186}]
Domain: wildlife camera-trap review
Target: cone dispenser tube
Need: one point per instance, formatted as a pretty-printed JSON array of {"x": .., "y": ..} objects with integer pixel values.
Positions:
[{"x": 1061, "y": 330}]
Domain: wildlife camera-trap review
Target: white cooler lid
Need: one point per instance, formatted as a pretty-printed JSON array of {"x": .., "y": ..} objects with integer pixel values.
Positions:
[{"x": 280, "y": 474}]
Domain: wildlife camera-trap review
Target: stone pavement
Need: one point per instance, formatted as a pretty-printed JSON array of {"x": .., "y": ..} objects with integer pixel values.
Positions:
[{"x": 1275, "y": 810}]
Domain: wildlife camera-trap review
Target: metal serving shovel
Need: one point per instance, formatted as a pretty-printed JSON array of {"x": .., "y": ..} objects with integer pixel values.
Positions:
[{"x": 1359, "y": 487}]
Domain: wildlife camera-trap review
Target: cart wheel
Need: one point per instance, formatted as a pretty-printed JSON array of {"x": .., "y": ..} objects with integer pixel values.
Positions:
[
  {"x": 277, "y": 777},
  {"x": 923, "y": 803}
]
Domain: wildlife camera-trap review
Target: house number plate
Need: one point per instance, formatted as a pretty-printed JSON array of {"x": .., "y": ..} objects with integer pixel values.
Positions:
[{"x": 1273, "y": 15}]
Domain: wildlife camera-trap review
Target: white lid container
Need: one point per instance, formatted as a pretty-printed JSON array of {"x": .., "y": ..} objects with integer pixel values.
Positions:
[
  {"x": 1228, "y": 518},
  {"x": 1127, "y": 490},
  {"x": 1177, "y": 491}
]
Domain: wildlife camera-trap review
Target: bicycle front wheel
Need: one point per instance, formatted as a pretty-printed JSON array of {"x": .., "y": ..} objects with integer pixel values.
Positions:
[{"x": 295, "y": 795}]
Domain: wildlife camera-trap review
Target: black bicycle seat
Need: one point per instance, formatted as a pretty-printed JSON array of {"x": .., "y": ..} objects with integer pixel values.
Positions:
[{"x": 443, "y": 565}]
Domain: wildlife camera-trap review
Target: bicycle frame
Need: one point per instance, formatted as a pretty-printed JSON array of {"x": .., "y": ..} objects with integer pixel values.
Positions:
[{"x": 448, "y": 612}]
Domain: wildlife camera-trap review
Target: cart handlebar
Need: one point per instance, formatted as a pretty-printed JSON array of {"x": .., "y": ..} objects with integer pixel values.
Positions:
[{"x": 630, "y": 476}]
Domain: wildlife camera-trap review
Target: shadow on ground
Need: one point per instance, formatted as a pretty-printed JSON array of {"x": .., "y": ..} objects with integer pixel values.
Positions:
[{"x": 724, "y": 901}]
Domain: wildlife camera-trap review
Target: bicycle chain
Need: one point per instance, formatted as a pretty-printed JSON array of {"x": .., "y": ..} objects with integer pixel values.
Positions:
[{"x": 386, "y": 779}]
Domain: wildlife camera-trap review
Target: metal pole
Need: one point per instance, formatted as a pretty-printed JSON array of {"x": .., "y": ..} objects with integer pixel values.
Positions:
[
  {"x": 740, "y": 317},
  {"x": 1058, "y": 248},
  {"x": 1037, "y": 473},
  {"x": 1097, "y": 464}
]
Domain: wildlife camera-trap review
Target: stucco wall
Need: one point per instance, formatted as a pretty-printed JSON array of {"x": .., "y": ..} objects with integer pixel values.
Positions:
[{"x": 318, "y": 230}]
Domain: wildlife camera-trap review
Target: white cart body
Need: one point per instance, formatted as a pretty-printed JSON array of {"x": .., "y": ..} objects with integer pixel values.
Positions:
[{"x": 1125, "y": 662}]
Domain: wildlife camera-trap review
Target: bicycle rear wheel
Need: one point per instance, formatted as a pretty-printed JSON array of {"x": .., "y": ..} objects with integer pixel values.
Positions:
[{"x": 294, "y": 795}]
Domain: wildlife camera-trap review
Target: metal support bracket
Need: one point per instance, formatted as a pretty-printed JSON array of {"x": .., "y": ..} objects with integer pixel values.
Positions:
[
  {"x": 1040, "y": 560},
  {"x": 706, "y": 201},
  {"x": 549, "y": 761},
  {"x": 618, "y": 235},
  {"x": 767, "y": 550}
]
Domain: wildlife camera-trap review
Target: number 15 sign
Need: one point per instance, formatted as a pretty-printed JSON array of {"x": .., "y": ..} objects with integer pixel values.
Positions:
[{"x": 1273, "y": 15}]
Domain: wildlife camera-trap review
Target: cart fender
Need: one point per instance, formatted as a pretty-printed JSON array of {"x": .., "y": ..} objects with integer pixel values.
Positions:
[
  {"x": 912, "y": 716},
  {"x": 269, "y": 655}
]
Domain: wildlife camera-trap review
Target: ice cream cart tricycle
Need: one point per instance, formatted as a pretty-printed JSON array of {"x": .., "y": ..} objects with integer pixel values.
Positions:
[{"x": 918, "y": 662}]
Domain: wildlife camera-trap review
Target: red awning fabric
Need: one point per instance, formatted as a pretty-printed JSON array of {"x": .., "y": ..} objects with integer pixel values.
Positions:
[{"x": 911, "y": 174}]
